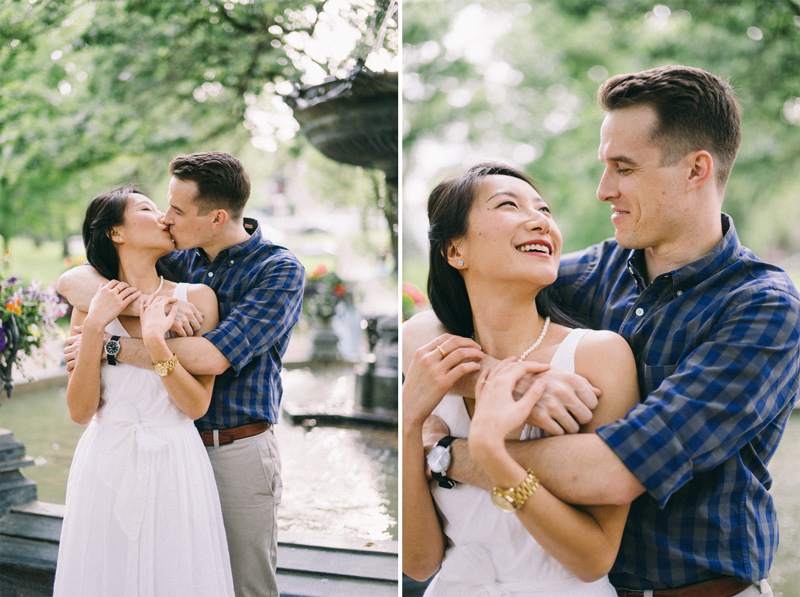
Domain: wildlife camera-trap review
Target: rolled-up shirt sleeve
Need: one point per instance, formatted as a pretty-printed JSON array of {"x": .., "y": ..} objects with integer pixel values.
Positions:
[
  {"x": 726, "y": 390},
  {"x": 268, "y": 311}
]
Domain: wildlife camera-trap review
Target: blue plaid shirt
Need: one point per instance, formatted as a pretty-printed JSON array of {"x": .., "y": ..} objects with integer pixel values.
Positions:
[
  {"x": 716, "y": 345},
  {"x": 259, "y": 286}
]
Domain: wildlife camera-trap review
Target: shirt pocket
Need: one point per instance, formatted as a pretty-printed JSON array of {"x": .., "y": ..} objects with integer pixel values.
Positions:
[{"x": 652, "y": 376}]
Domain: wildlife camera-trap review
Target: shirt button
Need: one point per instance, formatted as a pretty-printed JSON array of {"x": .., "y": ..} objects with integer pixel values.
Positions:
[
  {"x": 639, "y": 312},
  {"x": 679, "y": 292},
  {"x": 232, "y": 261},
  {"x": 210, "y": 274}
]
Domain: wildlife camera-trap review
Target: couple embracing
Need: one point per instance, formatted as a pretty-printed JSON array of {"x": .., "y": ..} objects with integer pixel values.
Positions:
[
  {"x": 175, "y": 483},
  {"x": 616, "y": 441}
]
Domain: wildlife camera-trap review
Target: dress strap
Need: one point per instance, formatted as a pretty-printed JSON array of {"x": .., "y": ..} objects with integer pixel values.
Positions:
[
  {"x": 181, "y": 291},
  {"x": 565, "y": 353}
]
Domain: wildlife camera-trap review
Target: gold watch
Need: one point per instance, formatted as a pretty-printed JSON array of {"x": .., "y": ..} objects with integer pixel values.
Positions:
[
  {"x": 511, "y": 500},
  {"x": 164, "y": 368}
]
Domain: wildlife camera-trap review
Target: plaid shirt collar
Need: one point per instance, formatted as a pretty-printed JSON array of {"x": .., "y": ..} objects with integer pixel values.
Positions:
[
  {"x": 689, "y": 275},
  {"x": 240, "y": 250}
]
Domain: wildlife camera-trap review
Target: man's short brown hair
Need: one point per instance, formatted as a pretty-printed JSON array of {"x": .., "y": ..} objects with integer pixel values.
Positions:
[
  {"x": 222, "y": 181},
  {"x": 695, "y": 110}
]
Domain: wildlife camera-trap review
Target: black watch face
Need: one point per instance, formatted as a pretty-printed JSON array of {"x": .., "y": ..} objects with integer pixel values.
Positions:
[{"x": 112, "y": 347}]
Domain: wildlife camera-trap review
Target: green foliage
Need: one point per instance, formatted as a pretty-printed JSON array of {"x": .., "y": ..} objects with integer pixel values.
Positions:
[
  {"x": 94, "y": 93},
  {"x": 28, "y": 315},
  {"x": 517, "y": 81}
]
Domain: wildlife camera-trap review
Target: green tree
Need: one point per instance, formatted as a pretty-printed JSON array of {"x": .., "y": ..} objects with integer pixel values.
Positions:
[
  {"x": 517, "y": 81},
  {"x": 96, "y": 91}
]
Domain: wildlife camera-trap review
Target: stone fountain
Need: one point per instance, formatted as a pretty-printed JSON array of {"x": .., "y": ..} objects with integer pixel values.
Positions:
[{"x": 354, "y": 120}]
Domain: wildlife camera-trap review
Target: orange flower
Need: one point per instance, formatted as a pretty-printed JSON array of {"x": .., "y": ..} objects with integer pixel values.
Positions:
[
  {"x": 339, "y": 290},
  {"x": 320, "y": 271}
]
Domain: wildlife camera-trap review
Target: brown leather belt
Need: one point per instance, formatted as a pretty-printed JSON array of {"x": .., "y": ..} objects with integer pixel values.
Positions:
[
  {"x": 228, "y": 436},
  {"x": 725, "y": 586}
]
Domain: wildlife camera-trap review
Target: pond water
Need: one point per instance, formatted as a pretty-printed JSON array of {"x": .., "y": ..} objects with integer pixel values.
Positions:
[{"x": 339, "y": 482}]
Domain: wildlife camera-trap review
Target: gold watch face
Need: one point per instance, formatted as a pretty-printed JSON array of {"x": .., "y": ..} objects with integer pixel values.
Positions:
[
  {"x": 161, "y": 369},
  {"x": 503, "y": 501}
]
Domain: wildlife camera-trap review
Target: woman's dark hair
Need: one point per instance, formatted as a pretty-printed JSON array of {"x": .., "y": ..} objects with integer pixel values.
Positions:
[
  {"x": 104, "y": 212},
  {"x": 449, "y": 205}
]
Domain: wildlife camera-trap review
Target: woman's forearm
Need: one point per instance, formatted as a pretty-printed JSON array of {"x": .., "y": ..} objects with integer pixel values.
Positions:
[
  {"x": 83, "y": 389},
  {"x": 585, "y": 541},
  {"x": 423, "y": 539},
  {"x": 190, "y": 394}
]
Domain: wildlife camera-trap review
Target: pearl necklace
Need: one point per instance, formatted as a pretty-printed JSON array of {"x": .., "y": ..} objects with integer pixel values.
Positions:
[{"x": 536, "y": 344}]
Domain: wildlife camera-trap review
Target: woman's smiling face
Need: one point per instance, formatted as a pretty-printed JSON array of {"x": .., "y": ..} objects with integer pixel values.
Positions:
[{"x": 511, "y": 236}]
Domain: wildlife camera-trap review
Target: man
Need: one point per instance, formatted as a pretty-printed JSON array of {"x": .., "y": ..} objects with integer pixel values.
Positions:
[
  {"x": 259, "y": 286},
  {"x": 715, "y": 332}
]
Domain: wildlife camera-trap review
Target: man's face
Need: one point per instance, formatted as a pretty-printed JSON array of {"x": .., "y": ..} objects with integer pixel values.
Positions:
[
  {"x": 649, "y": 202},
  {"x": 188, "y": 228}
]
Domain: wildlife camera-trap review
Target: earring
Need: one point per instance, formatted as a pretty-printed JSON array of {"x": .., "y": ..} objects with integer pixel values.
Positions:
[{"x": 460, "y": 263}]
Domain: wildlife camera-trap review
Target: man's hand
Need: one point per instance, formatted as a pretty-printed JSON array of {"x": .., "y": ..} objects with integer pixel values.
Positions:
[
  {"x": 71, "y": 350},
  {"x": 566, "y": 403},
  {"x": 433, "y": 430},
  {"x": 73, "y": 347},
  {"x": 188, "y": 318}
]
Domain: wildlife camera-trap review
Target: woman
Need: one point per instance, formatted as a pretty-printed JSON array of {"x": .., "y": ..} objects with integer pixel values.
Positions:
[
  {"x": 142, "y": 511},
  {"x": 494, "y": 247}
]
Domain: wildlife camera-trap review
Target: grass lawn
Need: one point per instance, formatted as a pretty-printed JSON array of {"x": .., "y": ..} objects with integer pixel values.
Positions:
[{"x": 30, "y": 261}]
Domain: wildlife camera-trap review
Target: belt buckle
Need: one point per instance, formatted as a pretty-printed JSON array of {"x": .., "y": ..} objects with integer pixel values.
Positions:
[{"x": 222, "y": 438}]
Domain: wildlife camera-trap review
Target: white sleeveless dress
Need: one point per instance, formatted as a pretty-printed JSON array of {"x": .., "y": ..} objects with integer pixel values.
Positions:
[
  {"x": 142, "y": 514},
  {"x": 489, "y": 552}
]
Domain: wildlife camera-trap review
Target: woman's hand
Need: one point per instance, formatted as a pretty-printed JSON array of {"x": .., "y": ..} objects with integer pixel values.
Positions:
[
  {"x": 497, "y": 412},
  {"x": 155, "y": 319},
  {"x": 109, "y": 301},
  {"x": 434, "y": 369}
]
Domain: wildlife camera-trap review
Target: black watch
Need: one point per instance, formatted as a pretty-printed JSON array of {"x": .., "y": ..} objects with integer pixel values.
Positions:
[
  {"x": 112, "y": 350},
  {"x": 439, "y": 462}
]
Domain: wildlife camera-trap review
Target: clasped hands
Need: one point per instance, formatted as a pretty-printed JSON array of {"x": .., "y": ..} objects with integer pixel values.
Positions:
[
  {"x": 184, "y": 318},
  {"x": 561, "y": 401}
]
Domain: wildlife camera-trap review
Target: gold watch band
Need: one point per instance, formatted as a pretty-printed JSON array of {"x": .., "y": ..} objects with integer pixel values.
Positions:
[
  {"x": 164, "y": 368},
  {"x": 512, "y": 499}
]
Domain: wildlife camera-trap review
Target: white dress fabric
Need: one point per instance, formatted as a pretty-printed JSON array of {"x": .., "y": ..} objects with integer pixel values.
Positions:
[
  {"x": 142, "y": 514},
  {"x": 489, "y": 552}
]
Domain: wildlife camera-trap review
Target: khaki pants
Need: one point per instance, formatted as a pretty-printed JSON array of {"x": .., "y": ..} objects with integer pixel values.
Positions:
[{"x": 248, "y": 474}]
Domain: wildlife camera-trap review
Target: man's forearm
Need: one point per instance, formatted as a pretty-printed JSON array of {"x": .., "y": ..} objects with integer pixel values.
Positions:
[
  {"x": 80, "y": 284},
  {"x": 197, "y": 355},
  {"x": 579, "y": 469}
]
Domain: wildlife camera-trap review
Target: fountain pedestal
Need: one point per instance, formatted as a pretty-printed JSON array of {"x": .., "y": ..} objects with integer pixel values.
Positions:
[
  {"x": 376, "y": 375},
  {"x": 324, "y": 342},
  {"x": 14, "y": 488}
]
